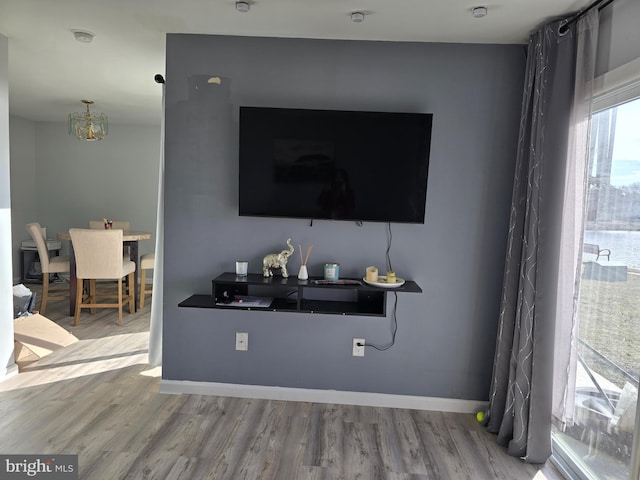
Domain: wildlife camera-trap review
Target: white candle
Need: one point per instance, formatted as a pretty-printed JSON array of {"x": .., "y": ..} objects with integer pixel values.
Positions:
[{"x": 372, "y": 274}]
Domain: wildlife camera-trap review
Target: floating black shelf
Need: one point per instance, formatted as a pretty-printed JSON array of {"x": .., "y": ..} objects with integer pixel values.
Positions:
[{"x": 294, "y": 295}]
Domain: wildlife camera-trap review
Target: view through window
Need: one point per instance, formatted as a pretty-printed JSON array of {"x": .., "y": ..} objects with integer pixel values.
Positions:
[{"x": 608, "y": 346}]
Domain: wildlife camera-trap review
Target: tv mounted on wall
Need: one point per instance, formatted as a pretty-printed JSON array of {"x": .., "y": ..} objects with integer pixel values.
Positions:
[{"x": 334, "y": 164}]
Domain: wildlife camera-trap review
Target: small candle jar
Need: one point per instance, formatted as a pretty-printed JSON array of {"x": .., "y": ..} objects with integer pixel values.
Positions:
[
  {"x": 391, "y": 277},
  {"x": 372, "y": 274},
  {"x": 331, "y": 271}
]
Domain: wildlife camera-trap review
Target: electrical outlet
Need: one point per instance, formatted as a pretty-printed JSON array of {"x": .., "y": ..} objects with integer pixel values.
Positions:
[
  {"x": 242, "y": 341},
  {"x": 358, "y": 347}
]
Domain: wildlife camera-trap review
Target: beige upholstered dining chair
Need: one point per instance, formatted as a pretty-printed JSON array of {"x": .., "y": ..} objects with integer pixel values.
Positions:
[
  {"x": 147, "y": 262},
  {"x": 98, "y": 255},
  {"x": 117, "y": 224},
  {"x": 53, "y": 264}
]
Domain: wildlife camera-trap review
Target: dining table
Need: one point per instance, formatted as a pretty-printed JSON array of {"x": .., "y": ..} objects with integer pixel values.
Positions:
[{"x": 130, "y": 238}]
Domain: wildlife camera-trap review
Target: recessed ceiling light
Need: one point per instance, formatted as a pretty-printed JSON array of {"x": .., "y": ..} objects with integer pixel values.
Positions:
[
  {"x": 479, "y": 12},
  {"x": 83, "y": 36},
  {"x": 357, "y": 17},
  {"x": 243, "y": 7}
]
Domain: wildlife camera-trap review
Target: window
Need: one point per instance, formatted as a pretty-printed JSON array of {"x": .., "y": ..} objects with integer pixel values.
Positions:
[{"x": 599, "y": 444}]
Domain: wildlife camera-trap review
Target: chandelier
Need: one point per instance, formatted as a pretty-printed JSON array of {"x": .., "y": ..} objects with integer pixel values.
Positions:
[{"x": 88, "y": 126}]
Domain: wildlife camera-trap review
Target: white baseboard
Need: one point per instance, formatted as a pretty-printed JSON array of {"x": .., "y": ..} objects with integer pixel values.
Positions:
[
  {"x": 322, "y": 396},
  {"x": 7, "y": 373}
]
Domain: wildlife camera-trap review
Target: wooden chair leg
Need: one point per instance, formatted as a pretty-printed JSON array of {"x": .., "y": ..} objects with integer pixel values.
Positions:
[
  {"x": 76, "y": 319},
  {"x": 143, "y": 279},
  {"x": 132, "y": 292},
  {"x": 45, "y": 293},
  {"x": 92, "y": 294},
  {"x": 120, "y": 301}
]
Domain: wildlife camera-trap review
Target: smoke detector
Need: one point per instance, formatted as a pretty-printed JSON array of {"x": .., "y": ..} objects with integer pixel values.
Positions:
[
  {"x": 479, "y": 12},
  {"x": 243, "y": 7},
  {"x": 83, "y": 36},
  {"x": 357, "y": 17}
]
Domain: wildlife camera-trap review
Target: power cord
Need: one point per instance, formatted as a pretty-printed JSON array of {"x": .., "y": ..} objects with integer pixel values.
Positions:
[
  {"x": 289, "y": 299},
  {"x": 394, "y": 318},
  {"x": 389, "y": 239},
  {"x": 394, "y": 329}
]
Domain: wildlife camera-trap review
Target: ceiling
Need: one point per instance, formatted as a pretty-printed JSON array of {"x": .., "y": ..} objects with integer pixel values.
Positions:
[{"x": 50, "y": 72}]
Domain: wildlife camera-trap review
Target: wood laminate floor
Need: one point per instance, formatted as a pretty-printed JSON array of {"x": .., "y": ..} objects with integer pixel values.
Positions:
[{"x": 98, "y": 398}]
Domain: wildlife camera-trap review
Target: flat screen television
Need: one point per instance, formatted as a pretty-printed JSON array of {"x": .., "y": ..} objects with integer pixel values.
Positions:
[{"x": 330, "y": 164}]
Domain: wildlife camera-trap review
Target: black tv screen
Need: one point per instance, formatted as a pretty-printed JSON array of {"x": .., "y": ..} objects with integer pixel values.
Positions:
[{"x": 329, "y": 164}]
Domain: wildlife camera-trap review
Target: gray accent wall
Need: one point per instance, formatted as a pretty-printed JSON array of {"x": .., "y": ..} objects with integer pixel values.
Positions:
[{"x": 446, "y": 335}]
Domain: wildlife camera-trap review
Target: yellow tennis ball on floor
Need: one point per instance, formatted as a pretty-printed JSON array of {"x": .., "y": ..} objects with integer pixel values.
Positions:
[{"x": 480, "y": 416}]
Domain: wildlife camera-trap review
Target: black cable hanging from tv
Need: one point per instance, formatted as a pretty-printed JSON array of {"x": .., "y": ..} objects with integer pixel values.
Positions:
[{"x": 577, "y": 16}]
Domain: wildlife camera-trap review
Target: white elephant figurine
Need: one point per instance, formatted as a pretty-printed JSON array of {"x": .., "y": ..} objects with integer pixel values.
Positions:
[{"x": 277, "y": 260}]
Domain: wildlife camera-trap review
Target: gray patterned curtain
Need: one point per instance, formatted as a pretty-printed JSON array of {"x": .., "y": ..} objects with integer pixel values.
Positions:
[{"x": 521, "y": 395}]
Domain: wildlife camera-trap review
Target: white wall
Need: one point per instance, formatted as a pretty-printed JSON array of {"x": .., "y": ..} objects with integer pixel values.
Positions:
[
  {"x": 619, "y": 36},
  {"x": 7, "y": 364},
  {"x": 62, "y": 182},
  {"x": 23, "y": 185}
]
